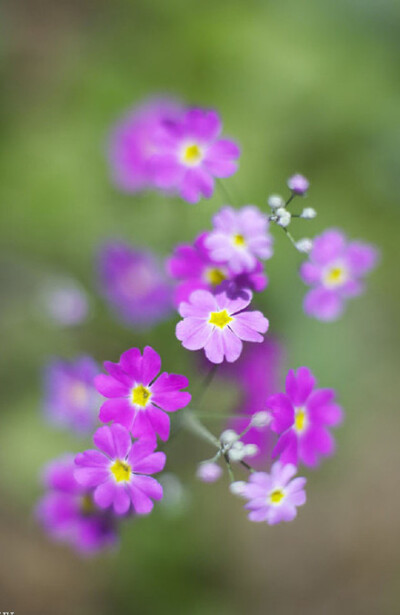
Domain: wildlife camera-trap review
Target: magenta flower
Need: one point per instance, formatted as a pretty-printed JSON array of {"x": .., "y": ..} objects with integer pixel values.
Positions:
[
  {"x": 138, "y": 399},
  {"x": 189, "y": 154},
  {"x": 133, "y": 142},
  {"x": 334, "y": 271},
  {"x": 239, "y": 238},
  {"x": 219, "y": 323},
  {"x": 70, "y": 398},
  {"x": 194, "y": 268},
  {"x": 134, "y": 283},
  {"x": 274, "y": 497},
  {"x": 302, "y": 417},
  {"x": 69, "y": 515},
  {"x": 119, "y": 471}
]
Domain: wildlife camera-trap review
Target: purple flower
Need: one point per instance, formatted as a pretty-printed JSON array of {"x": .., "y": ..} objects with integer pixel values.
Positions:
[
  {"x": 119, "y": 471},
  {"x": 71, "y": 399},
  {"x": 302, "y": 417},
  {"x": 298, "y": 184},
  {"x": 219, "y": 323},
  {"x": 138, "y": 399},
  {"x": 193, "y": 266},
  {"x": 68, "y": 514},
  {"x": 334, "y": 271},
  {"x": 190, "y": 153},
  {"x": 134, "y": 283},
  {"x": 239, "y": 238},
  {"x": 133, "y": 142},
  {"x": 274, "y": 497}
]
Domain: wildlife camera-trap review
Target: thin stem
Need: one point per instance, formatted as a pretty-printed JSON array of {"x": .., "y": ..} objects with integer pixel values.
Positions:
[
  {"x": 192, "y": 423},
  {"x": 206, "y": 383},
  {"x": 290, "y": 199}
]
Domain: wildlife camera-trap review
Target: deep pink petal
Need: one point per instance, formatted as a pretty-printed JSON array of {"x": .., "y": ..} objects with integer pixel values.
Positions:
[
  {"x": 282, "y": 412},
  {"x": 115, "y": 441},
  {"x": 118, "y": 410},
  {"x": 109, "y": 387}
]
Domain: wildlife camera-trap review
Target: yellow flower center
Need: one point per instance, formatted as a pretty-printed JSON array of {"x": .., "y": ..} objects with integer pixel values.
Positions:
[
  {"x": 140, "y": 395},
  {"x": 276, "y": 496},
  {"x": 335, "y": 276},
  {"x": 192, "y": 154},
  {"x": 239, "y": 240},
  {"x": 121, "y": 470},
  {"x": 215, "y": 276},
  {"x": 300, "y": 419},
  {"x": 220, "y": 319},
  {"x": 87, "y": 506}
]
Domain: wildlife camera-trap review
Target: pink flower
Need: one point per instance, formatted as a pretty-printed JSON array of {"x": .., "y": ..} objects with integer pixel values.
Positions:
[
  {"x": 302, "y": 416},
  {"x": 218, "y": 324},
  {"x": 240, "y": 237},
  {"x": 274, "y": 497},
  {"x": 119, "y": 471},
  {"x": 189, "y": 154},
  {"x": 138, "y": 399}
]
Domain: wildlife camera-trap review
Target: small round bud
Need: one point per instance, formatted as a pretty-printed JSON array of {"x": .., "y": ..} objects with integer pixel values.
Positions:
[
  {"x": 275, "y": 201},
  {"x": 236, "y": 452},
  {"x": 261, "y": 419},
  {"x": 238, "y": 487},
  {"x": 208, "y": 472},
  {"x": 298, "y": 184},
  {"x": 284, "y": 216},
  {"x": 251, "y": 450},
  {"x": 228, "y": 436},
  {"x": 308, "y": 213},
  {"x": 304, "y": 245}
]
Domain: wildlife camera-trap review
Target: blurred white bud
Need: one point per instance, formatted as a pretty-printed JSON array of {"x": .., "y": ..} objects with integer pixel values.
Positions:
[
  {"x": 275, "y": 201},
  {"x": 238, "y": 487},
  {"x": 284, "y": 216},
  {"x": 208, "y": 472},
  {"x": 250, "y": 450},
  {"x": 304, "y": 245},
  {"x": 308, "y": 213},
  {"x": 228, "y": 436},
  {"x": 237, "y": 451},
  {"x": 261, "y": 419}
]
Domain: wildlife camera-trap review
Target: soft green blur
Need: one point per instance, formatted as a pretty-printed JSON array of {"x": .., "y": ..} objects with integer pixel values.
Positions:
[{"x": 303, "y": 86}]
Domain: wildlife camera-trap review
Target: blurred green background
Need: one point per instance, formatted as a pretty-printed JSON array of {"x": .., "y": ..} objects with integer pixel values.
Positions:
[{"x": 303, "y": 86}]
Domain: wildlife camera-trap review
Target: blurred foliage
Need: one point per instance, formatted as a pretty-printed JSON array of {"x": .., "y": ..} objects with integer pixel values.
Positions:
[{"x": 304, "y": 86}]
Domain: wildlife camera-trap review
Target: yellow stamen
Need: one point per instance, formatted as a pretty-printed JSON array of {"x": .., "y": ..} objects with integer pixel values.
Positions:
[
  {"x": 140, "y": 395},
  {"x": 276, "y": 496},
  {"x": 220, "y": 319},
  {"x": 192, "y": 154},
  {"x": 300, "y": 420},
  {"x": 239, "y": 240},
  {"x": 215, "y": 276},
  {"x": 335, "y": 275},
  {"x": 121, "y": 470},
  {"x": 87, "y": 505}
]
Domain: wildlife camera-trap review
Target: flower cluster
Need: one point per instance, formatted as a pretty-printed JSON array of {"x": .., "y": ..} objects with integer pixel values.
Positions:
[{"x": 212, "y": 283}]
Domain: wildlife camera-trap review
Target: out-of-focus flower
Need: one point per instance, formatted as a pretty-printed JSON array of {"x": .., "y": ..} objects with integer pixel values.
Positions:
[
  {"x": 138, "y": 397},
  {"x": 275, "y": 201},
  {"x": 334, "y": 270},
  {"x": 133, "y": 142},
  {"x": 68, "y": 513},
  {"x": 240, "y": 237},
  {"x": 302, "y": 417},
  {"x": 298, "y": 184},
  {"x": 135, "y": 284},
  {"x": 193, "y": 266},
  {"x": 119, "y": 471},
  {"x": 208, "y": 472},
  {"x": 190, "y": 153},
  {"x": 64, "y": 301},
  {"x": 274, "y": 497},
  {"x": 308, "y": 213},
  {"x": 70, "y": 398},
  {"x": 219, "y": 323},
  {"x": 304, "y": 245}
]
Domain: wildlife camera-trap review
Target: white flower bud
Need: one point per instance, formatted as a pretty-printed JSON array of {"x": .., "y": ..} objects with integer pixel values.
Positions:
[
  {"x": 284, "y": 216},
  {"x": 228, "y": 436},
  {"x": 238, "y": 487},
  {"x": 261, "y": 419},
  {"x": 250, "y": 450},
  {"x": 304, "y": 245},
  {"x": 308, "y": 213},
  {"x": 237, "y": 451},
  {"x": 275, "y": 201}
]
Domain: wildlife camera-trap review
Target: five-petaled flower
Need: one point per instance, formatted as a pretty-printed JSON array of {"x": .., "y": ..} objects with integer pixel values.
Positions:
[
  {"x": 334, "y": 270},
  {"x": 302, "y": 416},
  {"x": 119, "y": 471},
  {"x": 218, "y": 323},
  {"x": 138, "y": 399},
  {"x": 274, "y": 497}
]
